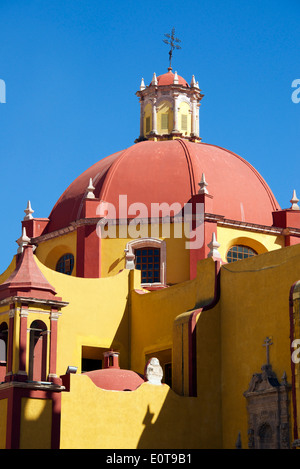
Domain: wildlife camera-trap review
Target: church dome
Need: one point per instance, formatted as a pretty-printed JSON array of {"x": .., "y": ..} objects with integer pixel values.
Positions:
[
  {"x": 170, "y": 171},
  {"x": 113, "y": 379},
  {"x": 167, "y": 79}
]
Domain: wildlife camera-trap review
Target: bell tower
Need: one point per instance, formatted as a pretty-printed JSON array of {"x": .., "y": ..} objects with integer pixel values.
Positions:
[
  {"x": 169, "y": 108},
  {"x": 169, "y": 105}
]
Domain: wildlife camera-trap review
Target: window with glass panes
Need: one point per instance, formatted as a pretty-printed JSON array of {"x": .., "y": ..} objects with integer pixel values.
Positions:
[
  {"x": 147, "y": 260},
  {"x": 65, "y": 264},
  {"x": 237, "y": 253}
]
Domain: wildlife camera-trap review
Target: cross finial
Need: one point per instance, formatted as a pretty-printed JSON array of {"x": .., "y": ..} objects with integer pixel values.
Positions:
[
  {"x": 267, "y": 343},
  {"x": 171, "y": 42}
]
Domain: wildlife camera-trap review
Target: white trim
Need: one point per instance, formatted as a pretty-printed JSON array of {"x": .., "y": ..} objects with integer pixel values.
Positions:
[{"x": 147, "y": 242}]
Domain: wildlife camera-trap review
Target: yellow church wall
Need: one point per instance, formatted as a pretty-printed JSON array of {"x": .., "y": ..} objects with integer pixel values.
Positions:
[
  {"x": 35, "y": 423},
  {"x": 178, "y": 258},
  {"x": 50, "y": 251},
  {"x": 97, "y": 315},
  {"x": 150, "y": 417},
  {"x": 246, "y": 320},
  {"x": 153, "y": 313},
  {"x": 3, "y": 422},
  {"x": 4, "y": 276},
  {"x": 260, "y": 242}
]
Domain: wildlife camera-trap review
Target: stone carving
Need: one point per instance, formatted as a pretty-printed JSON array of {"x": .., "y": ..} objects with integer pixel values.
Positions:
[
  {"x": 154, "y": 372},
  {"x": 268, "y": 409}
]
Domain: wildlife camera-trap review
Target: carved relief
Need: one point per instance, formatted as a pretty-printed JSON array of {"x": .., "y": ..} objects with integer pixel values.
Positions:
[{"x": 268, "y": 409}]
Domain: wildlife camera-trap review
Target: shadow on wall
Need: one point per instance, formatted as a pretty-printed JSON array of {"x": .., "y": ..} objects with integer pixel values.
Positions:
[{"x": 178, "y": 425}]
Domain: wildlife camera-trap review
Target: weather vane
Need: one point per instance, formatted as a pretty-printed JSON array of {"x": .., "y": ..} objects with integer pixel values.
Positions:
[{"x": 171, "y": 42}]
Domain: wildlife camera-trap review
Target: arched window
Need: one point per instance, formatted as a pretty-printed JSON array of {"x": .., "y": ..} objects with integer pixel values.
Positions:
[
  {"x": 149, "y": 256},
  {"x": 65, "y": 264},
  {"x": 239, "y": 252},
  {"x": 38, "y": 351}
]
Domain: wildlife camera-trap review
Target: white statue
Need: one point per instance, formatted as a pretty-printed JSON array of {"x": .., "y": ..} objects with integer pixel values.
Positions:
[{"x": 154, "y": 372}]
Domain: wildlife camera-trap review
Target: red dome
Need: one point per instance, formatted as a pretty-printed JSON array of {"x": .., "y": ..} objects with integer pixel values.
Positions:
[
  {"x": 170, "y": 171},
  {"x": 168, "y": 79},
  {"x": 114, "y": 379}
]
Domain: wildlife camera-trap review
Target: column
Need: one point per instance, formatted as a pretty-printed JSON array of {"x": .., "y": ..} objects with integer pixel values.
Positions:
[
  {"x": 10, "y": 344},
  {"x": 53, "y": 347},
  {"x": 142, "y": 119},
  {"x": 154, "y": 116},
  {"x": 193, "y": 123},
  {"x": 22, "y": 373},
  {"x": 175, "y": 124}
]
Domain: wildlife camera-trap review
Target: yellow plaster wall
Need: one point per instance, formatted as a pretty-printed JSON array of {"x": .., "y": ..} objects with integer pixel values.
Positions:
[
  {"x": 3, "y": 422},
  {"x": 36, "y": 422},
  {"x": 254, "y": 304},
  {"x": 97, "y": 315},
  {"x": 50, "y": 251},
  {"x": 228, "y": 237},
  {"x": 178, "y": 258},
  {"x": 150, "y": 417},
  {"x": 153, "y": 313},
  {"x": 4, "y": 276}
]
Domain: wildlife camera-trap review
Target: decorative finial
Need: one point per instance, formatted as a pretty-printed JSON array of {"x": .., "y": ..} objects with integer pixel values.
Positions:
[
  {"x": 213, "y": 246},
  {"x": 154, "y": 79},
  {"x": 238, "y": 443},
  {"x": 294, "y": 201},
  {"x": 90, "y": 194},
  {"x": 193, "y": 82},
  {"x": 23, "y": 241},
  {"x": 284, "y": 379},
  {"x": 171, "y": 42},
  {"x": 203, "y": 184},
  {"x": 142, "y": 87},
  {"x": 28, "y": 211},
  {"x": 175, "y": 79}
]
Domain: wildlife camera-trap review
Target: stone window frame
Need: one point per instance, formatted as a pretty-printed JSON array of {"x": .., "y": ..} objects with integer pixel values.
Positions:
[{"x": 147, "y": 243}]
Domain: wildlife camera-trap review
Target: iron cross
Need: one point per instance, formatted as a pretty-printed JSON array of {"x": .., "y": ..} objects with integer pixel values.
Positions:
[
  {"x": 267, "y": 343},
  {"x": 171, "y": 42}
]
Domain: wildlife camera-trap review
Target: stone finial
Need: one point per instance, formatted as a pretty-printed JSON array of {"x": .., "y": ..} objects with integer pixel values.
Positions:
[
  {"x": 154, "y": 372},
  {"x": 238, "y": 443},
  {"x": 193, "y": 82},
  {"x": 294, "y": 201},
  {"x": 203, "y": 184},
  {"x": 23, "y": 241},
  {"x": 129, "y": 260},
  {"x": 175, "y": 79},
  {"x": 154, "y": 79},
  {"x": 213, "y": 246},
  {"x": 142, "y": 87},
  {"x": 28, "y": 211},
  {"x": 90, "y": 189}
]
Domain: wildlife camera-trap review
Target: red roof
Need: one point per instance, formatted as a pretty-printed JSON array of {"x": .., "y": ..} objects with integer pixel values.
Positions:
[
  {"x": 27, "y": 280},
  {"x": 114, "y": 379},
  {"x": 168, "y": 79},
  {"x": 170, "y": 171}
]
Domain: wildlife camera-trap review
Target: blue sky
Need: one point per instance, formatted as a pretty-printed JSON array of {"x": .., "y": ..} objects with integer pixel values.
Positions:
[{"x": 72, "y": 68}]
